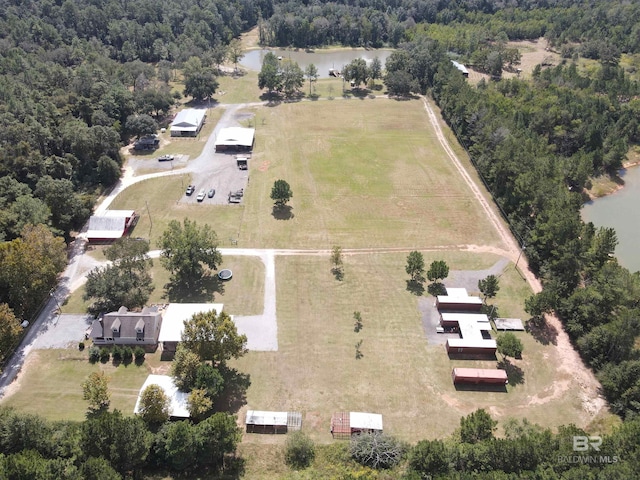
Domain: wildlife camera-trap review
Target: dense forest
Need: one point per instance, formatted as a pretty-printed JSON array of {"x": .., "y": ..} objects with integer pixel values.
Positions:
[{"x": 79, "y": 79}]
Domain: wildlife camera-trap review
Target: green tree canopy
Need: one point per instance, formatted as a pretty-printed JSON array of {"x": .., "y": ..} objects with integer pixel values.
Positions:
[
  {"x": 281, "y": 193},
  {"x": 489, "y": 286},
  {"x": 415, "y": 266},
  {"x": 199, "y": 81},
  {"x": 509, "y": 345},
  {"x": 213, "y": 336},
  {"x": 439, "y": 270},
  {"x": 184, "y": 368},
  {"x": 311, "y": 72},
  {"x": 186, "y": 248},
  {"x": 126, "y": 282},
  {"x": 10, "y": 330},
  {"x": 356, "y": 71},
  {"x": 140, "y": 125},
  {"x": 154, "y": 405},
  {"x": 477, "y": 426},
  {"x": 299, "y": 450},
  {"x": 269, "y": 76},
  {"x": 95, "y": 390}
]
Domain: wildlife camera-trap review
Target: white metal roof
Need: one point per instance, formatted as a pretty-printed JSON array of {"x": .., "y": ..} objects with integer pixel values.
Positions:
[
  {"x": 175, "y": 315},
  {"x": 179, "y": 400},
  {"x": 236, "y": 136},
  {"x": 471, "y": 343},
  {"x": 118, "y": 213},
  {"x": 445, "y": 299},
  {"x": 258, "y": 417},
  {"x": 457, "y": 292},
  {"x": 188, "y": 120},
  {"x": 370, "y": 421}
]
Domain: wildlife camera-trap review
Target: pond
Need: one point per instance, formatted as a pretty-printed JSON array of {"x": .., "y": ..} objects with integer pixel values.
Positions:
[
  {"x": 620, "y": 211},
  {"x": 324, "y": 60}
]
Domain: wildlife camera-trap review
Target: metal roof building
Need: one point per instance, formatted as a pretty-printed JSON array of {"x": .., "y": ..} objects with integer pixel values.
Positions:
[
  {"x": 110, "y": 225},
  {"x": 258, "y": 421},
  {"x": 346, "y": 424},
  {"x": 479, "y": 376},
  {"x": 188, "y": 122},
  {"x": 235, "y": 138},
  {"x": 179, "y": 400},
  {"x": 474, "y": 329},
  {"x": 173, "y": 321}
]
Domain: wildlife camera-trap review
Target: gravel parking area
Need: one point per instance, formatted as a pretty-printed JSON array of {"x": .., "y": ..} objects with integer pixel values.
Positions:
[{"x": 68, "y": 330}]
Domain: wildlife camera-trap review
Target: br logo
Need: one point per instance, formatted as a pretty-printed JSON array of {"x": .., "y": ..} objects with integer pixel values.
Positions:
[{"x": 582, "y": 443}]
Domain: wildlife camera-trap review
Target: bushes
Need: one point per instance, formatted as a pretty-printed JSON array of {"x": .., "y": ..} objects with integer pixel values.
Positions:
[
  {"x": 299, "y": 451},
  {"x": 377, "y": 450},
  {"x": 139, "y": 354},
  {"x": 105, "y": 354},
  {"x": 127, "y": 355},
  {"x": 94, "y": 354},
  {"x": 116, "y": 354}
]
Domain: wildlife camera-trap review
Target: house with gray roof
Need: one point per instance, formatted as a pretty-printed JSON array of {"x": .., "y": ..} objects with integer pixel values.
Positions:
[{"x": 128, "y": 328}]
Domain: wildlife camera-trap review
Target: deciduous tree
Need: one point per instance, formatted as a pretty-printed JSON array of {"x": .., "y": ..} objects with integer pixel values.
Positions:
[
  {"x": 489, "y": 286},
  {"x": 213, "y": 336},
  {"x": 154, "y": 405},
  {"x": 377, "y": 450},
  {"x": 199, "y": 404},
  {"x": 269, "y": 76},
  {"x": 415, "y": 266},
  {"x": 140, "y": 125},
  {"x": 184, "y": 368},
  {"x": 281, "y": 193},
  {"x": 9, "y": 330},
  {"x": 311, "y": 72},
  {"x": 509, "y": 345},
  {"x": 299, "y": 450},
  {"x": 439, "y": 270},
  {"x": 95, "y": 390},
  {"x": 477, "y": 426},
  {"x": 186, "y": 248}
]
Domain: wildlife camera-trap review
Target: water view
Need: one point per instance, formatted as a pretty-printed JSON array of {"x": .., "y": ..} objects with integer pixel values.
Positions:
[
  {"x": 621, "y": 212},
  {"x": 323, "y": 60}
]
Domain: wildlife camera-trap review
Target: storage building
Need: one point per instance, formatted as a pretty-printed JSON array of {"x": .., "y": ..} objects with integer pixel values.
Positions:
[
  {"x": 188, "y": 122},
  {"x": 258, "y": 421},
  {"x": 479, "y": 376},
  {"x": 346, "y": 424}
]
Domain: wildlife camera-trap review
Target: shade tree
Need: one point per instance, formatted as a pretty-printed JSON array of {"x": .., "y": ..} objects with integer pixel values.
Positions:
[
  {"x": 95, "y": 390},
  {"x": 281, "y": 193},
  {"x": 213, "y": 337},
  {"x": 187, "y": 248},
  {"x": 154, "y": 405}
]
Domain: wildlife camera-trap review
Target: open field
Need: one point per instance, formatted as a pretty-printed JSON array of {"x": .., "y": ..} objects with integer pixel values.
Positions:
[
  {"x": 400, "y": 375},
  {"x": 364, "y": 173},
  {"x": 243, "y": 295}
]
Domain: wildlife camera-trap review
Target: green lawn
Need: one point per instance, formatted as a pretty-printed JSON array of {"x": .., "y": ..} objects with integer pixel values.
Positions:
[
  {"x": 364, "y": 173},
  {"x": 51, "y": 383}
]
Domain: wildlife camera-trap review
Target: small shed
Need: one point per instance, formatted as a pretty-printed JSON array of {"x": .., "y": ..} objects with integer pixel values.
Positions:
[
  {"x": 346, "y": 424},
  {"x": 462, "y": 68},
  {"x": 479, "y": 376},
  {"x": 188, "y": 122},
  {"x": 258, "y": 421}
]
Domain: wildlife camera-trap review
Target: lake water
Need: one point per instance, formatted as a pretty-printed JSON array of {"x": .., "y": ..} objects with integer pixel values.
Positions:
[
  {"x": 323, "y": 60},
  {"x": 620, "y": 211}
]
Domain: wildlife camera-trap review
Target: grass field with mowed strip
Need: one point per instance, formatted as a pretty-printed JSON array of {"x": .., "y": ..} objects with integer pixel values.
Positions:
[{"x": 364, "y": 173}]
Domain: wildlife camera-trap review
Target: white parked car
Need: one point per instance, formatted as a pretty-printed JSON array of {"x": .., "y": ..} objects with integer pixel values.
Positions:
[{"x": 201, "y": 195}]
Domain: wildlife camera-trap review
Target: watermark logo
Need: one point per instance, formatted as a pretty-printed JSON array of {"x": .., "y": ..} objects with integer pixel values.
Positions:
[
  {"x": 583, "y": 443},
  {"x": 589, "y": 446}
]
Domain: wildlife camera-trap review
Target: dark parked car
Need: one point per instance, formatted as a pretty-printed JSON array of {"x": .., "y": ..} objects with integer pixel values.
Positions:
[
  {"x": 211, "y": 193},
  {"x": 190, "y": 189},
  {"x": 166, "y": 158}
]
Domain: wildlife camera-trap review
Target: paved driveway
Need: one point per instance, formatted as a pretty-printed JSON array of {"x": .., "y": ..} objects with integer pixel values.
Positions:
[{"x": 68, "y": 330}]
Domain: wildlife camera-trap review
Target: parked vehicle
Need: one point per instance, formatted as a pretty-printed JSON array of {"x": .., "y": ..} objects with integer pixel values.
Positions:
[
  {"x": 211, "y": 193},
  {"x": 201, "y": 195},
  {"x": 190, "y": 189},
  {"x": 166, "y": 158}
]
